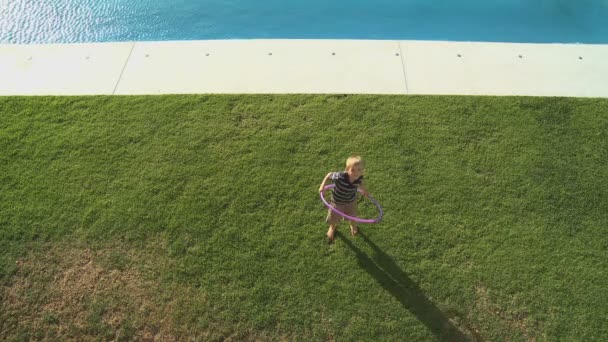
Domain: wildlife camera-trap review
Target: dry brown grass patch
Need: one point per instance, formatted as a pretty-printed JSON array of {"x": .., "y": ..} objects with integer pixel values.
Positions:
[
  {"x": 510, "y": 321},
  {"x": 71, "y": 293}
]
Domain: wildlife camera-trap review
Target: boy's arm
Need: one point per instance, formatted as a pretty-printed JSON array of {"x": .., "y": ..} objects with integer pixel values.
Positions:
[
  {"x": 363, "y": 189},
  {"x": 324, "y": 182}
]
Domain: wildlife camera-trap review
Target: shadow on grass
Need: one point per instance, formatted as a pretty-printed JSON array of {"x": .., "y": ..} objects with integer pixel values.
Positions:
[{"x": 396, "y": 282}]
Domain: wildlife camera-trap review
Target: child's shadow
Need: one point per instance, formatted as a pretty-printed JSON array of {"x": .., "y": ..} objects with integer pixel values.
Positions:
[{"x": 397, "y": 283}]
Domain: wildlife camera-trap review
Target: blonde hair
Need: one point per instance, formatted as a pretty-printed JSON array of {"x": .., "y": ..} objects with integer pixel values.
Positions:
[{"x": 353, "y": 161}]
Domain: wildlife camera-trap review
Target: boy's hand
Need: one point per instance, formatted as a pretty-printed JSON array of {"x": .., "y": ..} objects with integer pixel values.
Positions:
[{"x": 364, "y": 192}]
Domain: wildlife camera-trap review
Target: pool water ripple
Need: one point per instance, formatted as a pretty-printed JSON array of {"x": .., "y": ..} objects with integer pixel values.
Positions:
[{"x": 71, "y": 21}]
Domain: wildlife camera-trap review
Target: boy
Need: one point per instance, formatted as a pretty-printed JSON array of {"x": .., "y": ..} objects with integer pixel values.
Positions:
[{"x": 344, "y": 194}]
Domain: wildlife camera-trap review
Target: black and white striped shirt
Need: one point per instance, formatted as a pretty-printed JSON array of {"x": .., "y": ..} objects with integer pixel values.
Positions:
[{"x": 345, "y": 191}]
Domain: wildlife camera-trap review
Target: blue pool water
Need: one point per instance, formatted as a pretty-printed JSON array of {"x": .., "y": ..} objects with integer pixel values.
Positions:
[{"x": 535, "y": 21}]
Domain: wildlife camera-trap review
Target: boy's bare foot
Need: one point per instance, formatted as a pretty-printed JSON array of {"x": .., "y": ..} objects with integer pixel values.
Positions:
[
  {"x": 354, "y": 230},
  {"x": 330, "y": 239}
]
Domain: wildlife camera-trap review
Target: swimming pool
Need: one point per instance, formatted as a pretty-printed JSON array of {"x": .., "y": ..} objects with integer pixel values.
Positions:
[{"x": 533, "y": 21}]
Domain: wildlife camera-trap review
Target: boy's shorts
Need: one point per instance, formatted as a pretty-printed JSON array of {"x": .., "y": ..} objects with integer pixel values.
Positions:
[{"x": 349, "y": 209}]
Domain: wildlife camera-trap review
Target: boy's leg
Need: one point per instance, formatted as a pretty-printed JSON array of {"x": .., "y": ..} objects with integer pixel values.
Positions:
[
  {"x": 331, "y": 233},
  {"x": 354, "y": 230},
  {"x": 351, "y": 210},
  {"x": 333, "y": 219}
]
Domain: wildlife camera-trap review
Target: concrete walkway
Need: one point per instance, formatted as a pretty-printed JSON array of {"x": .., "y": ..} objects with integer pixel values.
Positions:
[{"x": 305, "y": 66}]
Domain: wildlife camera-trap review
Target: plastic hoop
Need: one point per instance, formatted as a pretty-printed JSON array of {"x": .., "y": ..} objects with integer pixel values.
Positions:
[{"x": 352, "y": 218}]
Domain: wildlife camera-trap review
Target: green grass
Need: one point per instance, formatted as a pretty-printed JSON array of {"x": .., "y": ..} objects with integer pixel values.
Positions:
[{"x": 494, "y": 224}]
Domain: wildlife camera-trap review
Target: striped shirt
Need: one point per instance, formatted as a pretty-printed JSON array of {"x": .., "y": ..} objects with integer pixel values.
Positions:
[{"x": 345, "y": 191}]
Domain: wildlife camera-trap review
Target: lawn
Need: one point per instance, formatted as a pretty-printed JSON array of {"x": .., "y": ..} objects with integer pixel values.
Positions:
[{"x": 198, "y": 217}]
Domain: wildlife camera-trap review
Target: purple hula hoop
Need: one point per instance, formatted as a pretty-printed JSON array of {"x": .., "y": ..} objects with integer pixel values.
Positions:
[{"x": 356, "y": 219}]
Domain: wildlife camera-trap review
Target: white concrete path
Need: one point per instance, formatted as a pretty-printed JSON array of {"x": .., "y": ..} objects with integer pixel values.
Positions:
[{"x": 305, "y": 66}]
